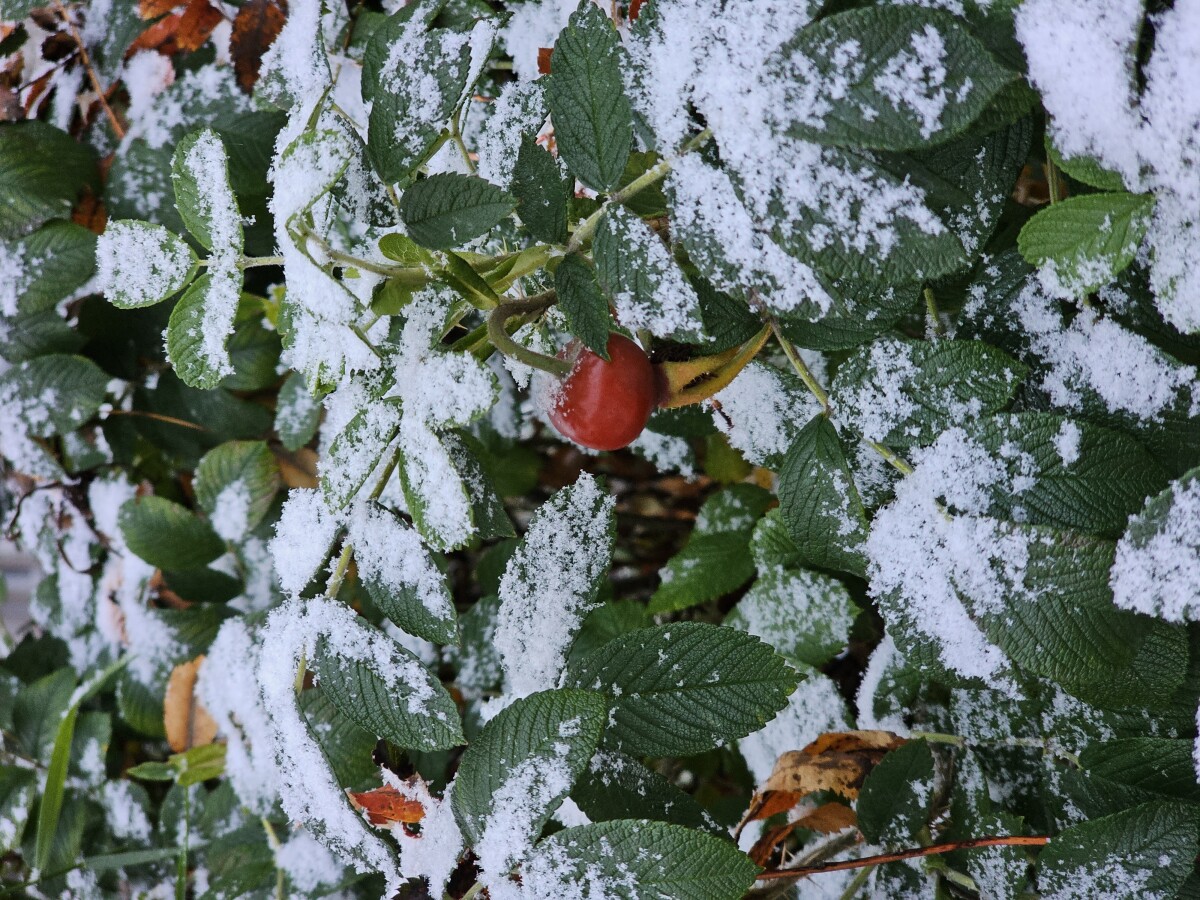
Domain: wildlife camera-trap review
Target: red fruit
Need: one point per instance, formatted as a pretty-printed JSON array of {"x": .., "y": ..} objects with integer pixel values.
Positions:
[{"x": 605, "y": 405}]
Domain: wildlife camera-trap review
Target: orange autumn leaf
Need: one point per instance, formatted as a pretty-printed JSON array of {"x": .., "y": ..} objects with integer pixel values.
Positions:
[
  {"x": 838, "y": 762},
  {"x": 196, "y": 24},
  {"x": 152, "y": 9},
  {"x": 634, "y": 9},
  {"x": 159, "y": 36},
  {"x": 544, "y": 54},
  {"x": 255, "y": 28},
  {"x": 386, "y": 805},
  {"x": 829, "y": 818},
  {"x": 187, "y": 723}
]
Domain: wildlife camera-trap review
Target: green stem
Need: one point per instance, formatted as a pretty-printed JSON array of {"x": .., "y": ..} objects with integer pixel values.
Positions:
[
  {"x": 456, "y": 136},
  {"x": 273, "y": 842},
  {"x": 860, "y": 878},
  {"x": 897, "y": 462},
  {"x": 181, "y": 866},
  {"x": 935, "y": 318},
  {"x": 499, "y": 336},
  {"x": 639, "y": 184},
  {"x": 801, "y": 369},
  {"x": 474, "y": 891},
  {"x": 409, "y": 276},
  {"x": 249, "y": 262},
  {"x": 1052, "y": 183}
]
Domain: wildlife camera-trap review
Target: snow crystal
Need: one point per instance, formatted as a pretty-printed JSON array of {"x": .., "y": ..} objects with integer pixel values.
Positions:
[
  {"x": 433, "y": 854},
  {"x": 296, "y": 61},
  {"x": 142, "y": 264},
  {"x": 125, "y": 816},
  {"x": 229, "y": 667},
  {"x": 1159, "y": 573},
  {"x": 534, "y": 25},
  {"x": 412, "y": 71},
  {"x": 303, "y": 538},
  {"x": 550, "y": 584},
  {"x": 666, "y": 452},
  {"x": 516, "y": 805},
  {"x": 1066, "y": 442},
  {"x": 231, "y": 511}
]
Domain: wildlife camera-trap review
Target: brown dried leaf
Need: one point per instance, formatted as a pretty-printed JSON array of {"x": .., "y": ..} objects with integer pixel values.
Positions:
[
  {"x": 255, "y": 28},
  {"x": 387, "y": 805},
  {"x": 187, "y": 723},
  {"x": 160, "y": 36},
  {"x": 298, "y": 469},
  {"x": 828, "y": 818},
  {"x": 544, "y": 54},
  {"x": 197, "y": 23},
  {"x": 89, "y": 212},
  {"x": 152, "y": 9},
  {"x": 838, "y": 762}
]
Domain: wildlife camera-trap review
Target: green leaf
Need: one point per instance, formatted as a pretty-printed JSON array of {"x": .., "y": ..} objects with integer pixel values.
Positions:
[
  {"x": 472, "y": 286},
  {"x": 1082, "y": 243},
  {"x": 819, "y": 502},
  {"x": 583, "y": 304},
  {"x": 861, "y": 311},
  {"x": 905, "y": 393},
  {"x": 37, "y": 712},
  {"x": 60, "y": 257},
  {"x": 895, "y": 800},
  {"x": 447, "y": 210},
  {"x": 42, "y": 171},
  {"x": 709, "y": 567},
  {"x": 683, "y": 688},
  {"x": 642, "y": 858},
  {"x": 639, "y": 274},
  {"x": 356, "y": 451},
  {"x": 199, "y": 329},
  {"x": 142, "y": 264},
  {"x": 152, "y": 771},
  {"x": 606, "y": 622},
  {"x": 1146, "y": 851},
  {"x": 415, "y": 77},
  {"x": 200, "y": 173},
  {"x": 40, "y": 334},
  {"x": 199, "y": 764},
  {"x": 616, "y": 786},
  {"x": 1085, "y": 169},
  {"x": 1160, "y": 765},
  {"x": 235, "y": 485},
  {"x": 297, "y": 413},
  {"x": 167, "y": 535},
  {"x": 542, "y": 193},
  {"x": 1071, "y": 474},
  {"x": 403, "y": 249},
  {"x": 400, "y": 576},
  {"x": 593, "y": 121},
  {"x": 348, "y": 747},
  {"x": 885, "y": 78},
  {"x": 394, "y": 696},
  {"x": 437, "y": 497},
  {"x": 55, "y": 393},
  {"x": 530, "y": 754},
  {"x": 781, "y": 598}
]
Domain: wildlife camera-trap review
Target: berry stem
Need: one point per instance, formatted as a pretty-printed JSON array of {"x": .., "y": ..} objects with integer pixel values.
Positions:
[{"x": 502, "y": 341}]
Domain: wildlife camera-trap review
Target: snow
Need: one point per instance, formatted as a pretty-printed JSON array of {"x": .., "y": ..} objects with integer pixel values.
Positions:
[
  {"x": 433, "y": 485},
  {"x": 1158, "y": 573},
  {"x": 762, "y": 410},
  {"x": 433, "y": 854},
  {"x": 231, "y": 511},
  {"x": 1066, "y": 442},
  {"x": 307, "y": 863},
  {"x": 916, "y": 79},
  {"x": 534, "y": 25},
  {"x": 814, "y": 708},
  {"x": 303, "y": 538},
  {"x": 550, "y": 584},
  {"x": 518, "y": 110},
  {"x": 124, "y": 814},
  {"x": 230, "y": 666}
]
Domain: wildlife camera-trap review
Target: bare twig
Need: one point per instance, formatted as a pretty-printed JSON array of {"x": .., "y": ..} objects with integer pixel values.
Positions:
[{"x": 117, "y": 127}]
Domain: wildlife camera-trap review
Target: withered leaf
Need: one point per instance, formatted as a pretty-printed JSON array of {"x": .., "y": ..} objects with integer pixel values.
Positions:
[
  {"x": 187, "y": 723},
  {"x": 387, "y": 805},
  {"x": 838, "y": 762},
  {"x": 255, "y": 28},
  {"x": 196, "y": 24},
  {"x": 828, "y": 818},
  {"x": 152, "y": 9}
]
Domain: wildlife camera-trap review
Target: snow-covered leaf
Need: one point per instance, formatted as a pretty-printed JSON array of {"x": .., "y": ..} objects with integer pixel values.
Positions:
[
  {"x": 399, "y": 574},
  {"x": 1082, "y": 243},
  {"x": 646, "y": 285},
  {"x": 199, "y": 328},
  {"x": 904, "y": 393},
  {"x": 437, "y": 496},
  {"x": 200, "y": 173},
  {"x": 18, "y": 789},
  {"x": 1159, "y": 765},
  {"x": 45, "y": 267},
  {"x": 392, "y": 696},
  {"x": 54, "y": 394},
  {"x": 894, "y": 803},
  {"x": 42, "y": 170},
  {"x": 167, "y": 535},
  {"x": 886, "y": 78},
  {"x": 487, "y": 508},
  {"x": 141, "y": 263},
  {"x": 684, "y": 688},
  {"x": 347, "y": 746},
  {"x": 524, "y": 762},
  {"x": 633, "y": 857},
  {"x": 616, "y": 786},
  {"x": 356, "y": 451},
  {"x": 593, "y": 122},
  {"x": 1147, "y": 851},
  {"x": 447, "y": 210},
  {"x": 235, "y": 485},
  {"x": 819, "y": 501},
  {"x": 297, "y": 412}
]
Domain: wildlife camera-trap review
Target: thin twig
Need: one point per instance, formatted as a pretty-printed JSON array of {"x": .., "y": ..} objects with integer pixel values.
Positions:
[
  {"x": 158, "y": 417},
  {"x": 118, "y": 129},
  {"x": 915, "y": 853}
]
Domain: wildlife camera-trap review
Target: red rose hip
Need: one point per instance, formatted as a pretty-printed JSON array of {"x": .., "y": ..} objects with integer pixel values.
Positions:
[{"x": 604, "y": 405}]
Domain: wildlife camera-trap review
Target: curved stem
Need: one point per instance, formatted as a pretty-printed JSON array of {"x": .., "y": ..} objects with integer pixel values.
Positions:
[
  {"x": 502, "y": 341},
  {"x": 915, "y": 853},
  {"x": 802, "y": 370}
]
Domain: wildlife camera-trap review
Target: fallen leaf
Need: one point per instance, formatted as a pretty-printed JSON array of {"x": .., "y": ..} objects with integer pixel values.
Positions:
[
  {"x": 544, "y": 54},
  {"x": 187, "y": 723},
  {"x": 255, "y": 28},
  {"x": 297, "y": 469},
  {"x": 196, "y": 24},
  {"x": 838, "y": 761},
  {"x": 828, "y": 818},
  {"x": 387, "y": 805},
  {"x": 160, "y": 36},
  {"x": 634, "y": 9},
  {"x": 89, "y": 212}
]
